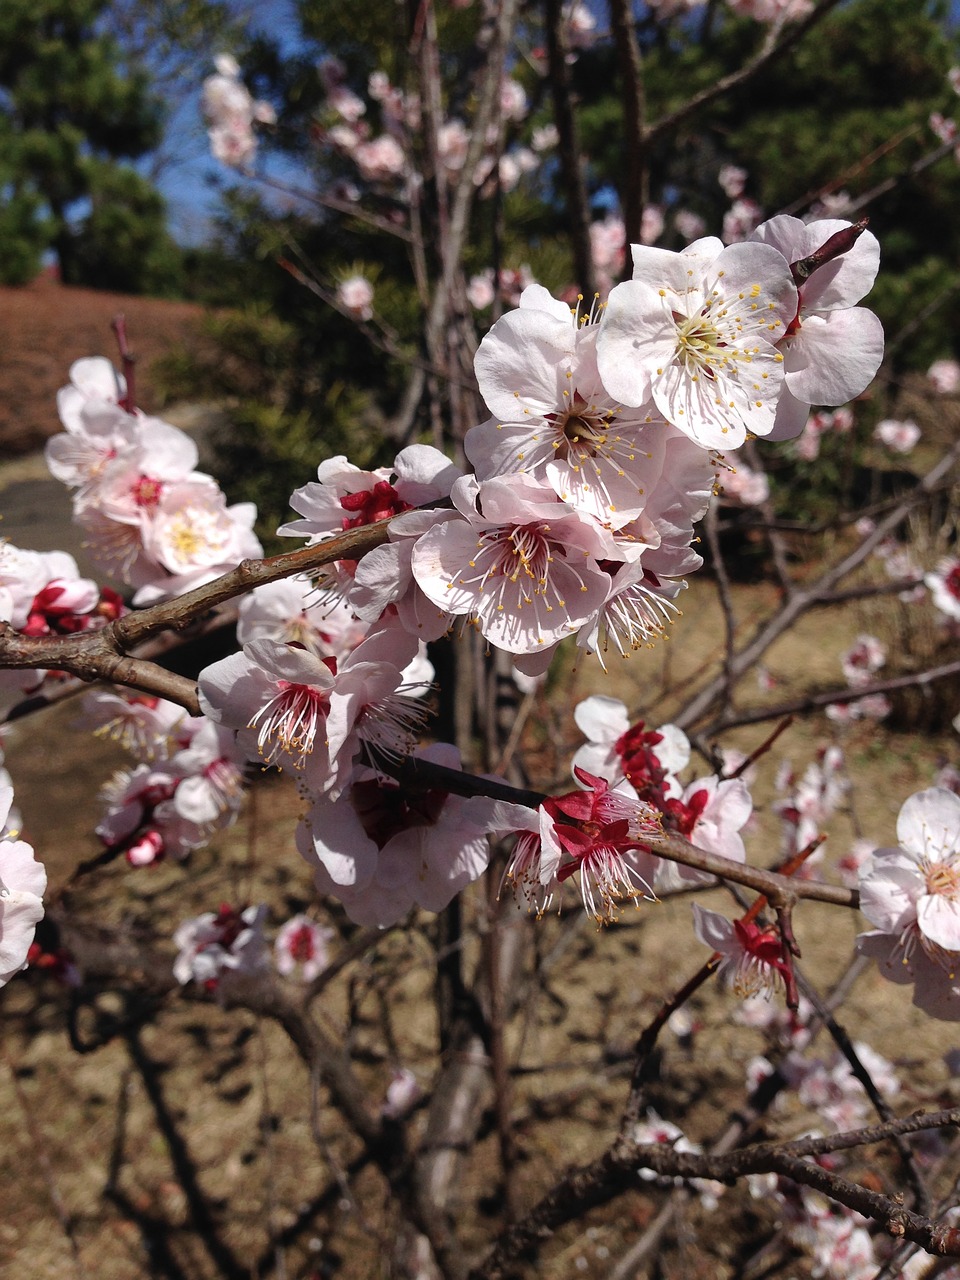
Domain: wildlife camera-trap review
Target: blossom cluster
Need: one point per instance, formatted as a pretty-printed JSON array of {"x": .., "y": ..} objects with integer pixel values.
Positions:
[
  {"x": 187, "y": 784},
  {"x": 231, "y": 113},
  {"x": 22, "y": 884},
  {"x": 43, "y": 594},
  {"x": 577, "y": 521},
  {"x": 383, "y": 159},
  {"x": 150, "y": 519}
]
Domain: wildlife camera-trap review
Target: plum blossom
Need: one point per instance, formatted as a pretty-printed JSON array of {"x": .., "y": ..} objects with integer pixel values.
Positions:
[
  {"x": 13, "y": 821},
  {"x": 513, "y": 100},
  {"x": 945, "y": 376},
  {"x": 944, "y": 585},
  {"x": 911, "y": 894},
  {"x": 216, "y": 944},
  {"x": 380, "y": 160},
  {"x": 22, "y": 884},
  {"x": 899, "y": 437},
  {"x": 743, "y": 216},
  {"x": 863, "y": 659},
  {"x": 382, "y": 849},
  {"x": 753, "y": 959},
  {"x": 831, "y": 348},
  {"x": 655, "y": 1130},
  {"x": 809, "y": 801},
  {"x": 311, "y": 714},
  {"x": 832, "y": 1090},
  {"x": 187, "y": 785},
  {"x": 346, "y": 498},
  {"x": 291, "y": 611},
  {"x": 301, "y": 948},
  {"x": 732, "y": 179},
  {"x": 689, "y": 224},
  {"x": 710, "y": 812},
  {"x": 807, "y": 444},
  {"x": 537, "y": 372},
  {"x": 195, "y": 537},
  {"x": 96, "y": 425},
  {"x": 648, "y": 760},
  {"x": 355, "y": 294},
  {"x": 651, "y": 224},
  {"x": 546, "y": 136},
  {"x": 943, "y": 126},
  {"x": 581, "y": 26},
  {"x": 597, "y": 833},
  {"x": 697, "y": 332},
  {"x": 480, "y": 290},
  {"x": 150, "y": 518},
  {"x": 25, "y": 574},
  {"x": 403, "y": 1094},
  {"x": 144, "y": 725},
  {"x": 231, "y": 112},
  {"x": 608, "y": 246},
  {"x": 453, "y": 142},
  {"x": 873, "y": 706},
  {"x": 518, "y": 561},
  {"x": 740, "y": 483}
]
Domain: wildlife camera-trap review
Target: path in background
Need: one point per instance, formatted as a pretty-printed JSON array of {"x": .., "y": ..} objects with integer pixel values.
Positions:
[{"x": 36, "y": 511}]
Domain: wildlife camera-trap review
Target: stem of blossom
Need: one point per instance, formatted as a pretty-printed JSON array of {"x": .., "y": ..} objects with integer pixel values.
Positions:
[
  {"x": 756, "y": 754},
  {"x": 119, "y": 326}
]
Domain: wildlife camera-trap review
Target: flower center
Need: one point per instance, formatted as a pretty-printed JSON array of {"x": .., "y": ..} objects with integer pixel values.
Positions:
[
  {"x": 146, "y": 491},
  {"x": 699, "y": 344},
  {"x": 944, "y": 879},
  {"x": 289, "y": 722},
  {"x": 369, "y": 505},
  {"x": 300, "y": 945},
  {"x": 580, "y": 429}
]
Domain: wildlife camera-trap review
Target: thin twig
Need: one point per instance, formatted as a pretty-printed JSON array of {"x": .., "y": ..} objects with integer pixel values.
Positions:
[{"x": 771, "y": 50}]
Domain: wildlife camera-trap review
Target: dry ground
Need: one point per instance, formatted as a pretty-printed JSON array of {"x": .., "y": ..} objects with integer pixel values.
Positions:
[
  {"x": 92, "y": 1134},
  {"x": 46, "y": 326}
]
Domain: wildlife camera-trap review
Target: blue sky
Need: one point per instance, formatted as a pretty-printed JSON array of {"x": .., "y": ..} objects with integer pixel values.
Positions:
[{"x": 187, "y": 175}]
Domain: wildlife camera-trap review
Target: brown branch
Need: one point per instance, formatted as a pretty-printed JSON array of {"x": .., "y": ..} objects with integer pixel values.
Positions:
[
  {"x": 757, "y": 715},
  {"x": 780, "y": 891},
  {"x": 616, "y": 1171},
  {"x": 802, "y": 599},
  {"x": 102, "y": 655},
  {"x": 569, "y": 149},
  {"x": 771, "y": 50},
  {"x": 634, "y": 109}
]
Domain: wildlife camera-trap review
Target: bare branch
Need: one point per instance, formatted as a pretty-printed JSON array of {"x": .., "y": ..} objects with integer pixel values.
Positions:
[{"x": 772, "y": 50}]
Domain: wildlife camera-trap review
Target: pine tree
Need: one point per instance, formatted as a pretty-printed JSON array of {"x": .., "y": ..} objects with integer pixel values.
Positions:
[{"x": 73, "y": 116}]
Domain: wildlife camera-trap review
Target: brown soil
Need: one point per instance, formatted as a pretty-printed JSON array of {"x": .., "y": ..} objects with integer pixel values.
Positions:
[
  {"x": 48, "y": 325},
  {"x": 95, "y": 1130}
]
